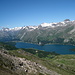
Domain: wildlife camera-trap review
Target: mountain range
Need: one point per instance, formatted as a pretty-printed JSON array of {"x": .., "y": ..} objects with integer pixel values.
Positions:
[
  {"x": 16, "y": 61},
  {"x": 61, "y": 32}
]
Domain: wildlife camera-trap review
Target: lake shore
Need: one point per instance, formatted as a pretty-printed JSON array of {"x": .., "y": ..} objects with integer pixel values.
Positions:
[{"x": 57, "y": 48}]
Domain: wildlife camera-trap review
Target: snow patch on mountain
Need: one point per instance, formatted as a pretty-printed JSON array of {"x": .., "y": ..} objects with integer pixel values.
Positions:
[
  {"x": 15, "y": 29},
  {"x": 46, "y": 24},
  {"x": 53, "y": 24},
  {"x": 33, "y": 27}
]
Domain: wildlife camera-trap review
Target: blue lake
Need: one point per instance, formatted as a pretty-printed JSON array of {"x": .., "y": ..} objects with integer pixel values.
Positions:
[{"x": 61, "y": 49}]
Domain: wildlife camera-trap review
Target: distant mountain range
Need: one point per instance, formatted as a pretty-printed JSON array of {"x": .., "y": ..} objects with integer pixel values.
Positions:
[{"x": 61, "y": 32}]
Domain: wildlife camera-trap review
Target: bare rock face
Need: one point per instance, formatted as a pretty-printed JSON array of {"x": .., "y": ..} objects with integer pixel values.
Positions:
[
  {"x": 67, "y": 20},
  {"x": 22, "y": 66}
]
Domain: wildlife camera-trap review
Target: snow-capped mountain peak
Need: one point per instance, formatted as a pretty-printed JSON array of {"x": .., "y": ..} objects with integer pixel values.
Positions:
[{"x": 31, "y": 28}]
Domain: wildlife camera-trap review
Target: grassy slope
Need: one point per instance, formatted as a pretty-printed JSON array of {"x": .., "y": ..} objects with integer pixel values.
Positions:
[{"x": 63, "y": 64}]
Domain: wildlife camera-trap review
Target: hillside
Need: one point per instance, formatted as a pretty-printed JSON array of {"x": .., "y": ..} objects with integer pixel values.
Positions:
[
  {"x": 19, "y": 62},
  {"x": 27, "y": 62},
  {"x": 59, "y": 33}
]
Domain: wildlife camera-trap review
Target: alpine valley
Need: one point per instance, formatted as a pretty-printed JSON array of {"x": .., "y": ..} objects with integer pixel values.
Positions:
[
  {"x": 21, "y": 61},
  {"x": 45, "y": 33}
]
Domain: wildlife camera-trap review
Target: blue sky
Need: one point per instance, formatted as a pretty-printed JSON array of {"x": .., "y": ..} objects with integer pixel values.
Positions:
[{"x": 18, "y": 13}]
